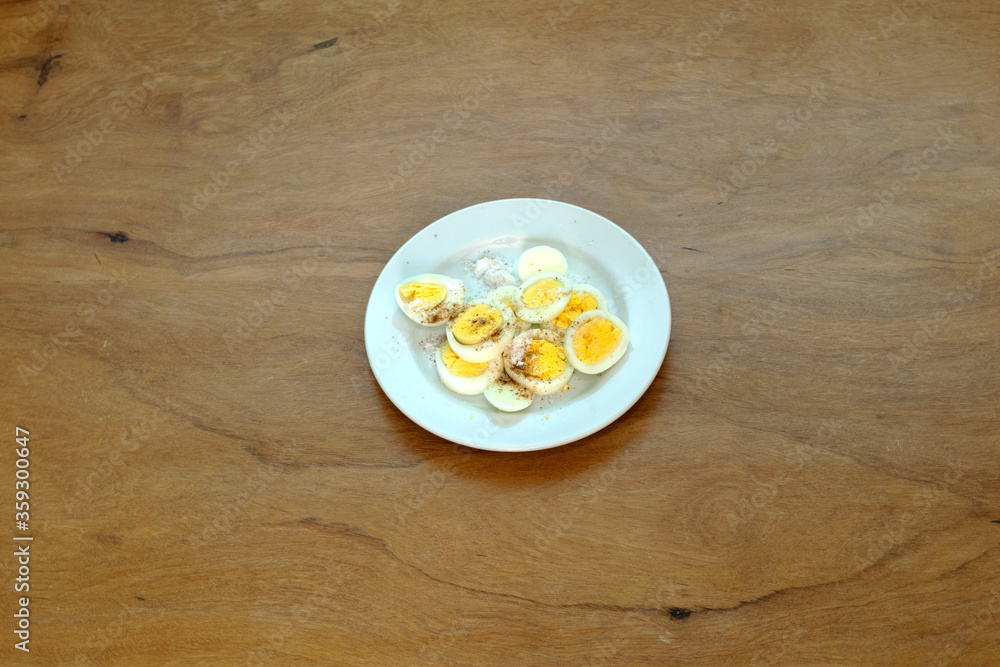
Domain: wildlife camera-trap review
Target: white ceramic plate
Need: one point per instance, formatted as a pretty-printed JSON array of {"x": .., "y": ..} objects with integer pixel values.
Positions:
[{"x": 599, "y": 253}]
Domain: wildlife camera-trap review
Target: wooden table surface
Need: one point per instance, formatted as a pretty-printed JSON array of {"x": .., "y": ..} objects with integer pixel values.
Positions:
[{"x": 199, "y": 195}]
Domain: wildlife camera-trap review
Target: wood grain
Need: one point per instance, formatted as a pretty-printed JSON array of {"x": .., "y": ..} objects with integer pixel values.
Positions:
[{"x": 198, "y": 197}]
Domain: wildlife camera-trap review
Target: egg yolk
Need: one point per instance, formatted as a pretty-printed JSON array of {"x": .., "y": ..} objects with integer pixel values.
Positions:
[
  {"x": 459, "y": 367},
  {"x": 579, "y": 303},
  {"x": 542, "y": 292},
  {"x": 423, "y": 295},
  {"x": 544, "y": 360},
  {"x": 476, "y": 324},
  {"x": 595, "y": 339}
]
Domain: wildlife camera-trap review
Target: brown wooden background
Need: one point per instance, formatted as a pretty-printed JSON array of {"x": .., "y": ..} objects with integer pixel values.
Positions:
[{"x": 216, "y": 477}]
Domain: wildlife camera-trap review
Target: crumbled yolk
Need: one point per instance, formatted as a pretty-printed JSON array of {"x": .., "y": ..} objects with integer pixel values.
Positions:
[
  {"x": 595, "y": 339},
  {"x": 544, "y": 360},
  {"x": 476, "y": 324},
  {"x": 542, "y": 292},
  {"x": 579, "y": 303},
  {"x": 458, "y": 367},
  {"x": 423, "y": 295}
]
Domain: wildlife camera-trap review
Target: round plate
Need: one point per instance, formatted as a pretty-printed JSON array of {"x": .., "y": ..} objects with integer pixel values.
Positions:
[{"x": 599, "y": 252}]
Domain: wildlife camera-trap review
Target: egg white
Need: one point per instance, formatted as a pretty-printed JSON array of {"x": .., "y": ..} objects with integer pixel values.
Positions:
[
  {"x": 472, "y": 386},
  {"x": 537, "y": 385},
  {"x": 508, "y": 396},
  {"x": 506, "y": 296},
  {"x": 494, "y": 345},
  {"x": 602, "y": 303},
  {"x": 441, "y": 313},
  {"x": 607, "y": 362},
  {"x": 541, "y": 259},
  {"x": 548, "y": 311}
]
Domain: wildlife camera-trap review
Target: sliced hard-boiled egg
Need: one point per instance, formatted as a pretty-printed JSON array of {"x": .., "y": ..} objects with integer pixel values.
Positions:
[
  {"x": 535, "y": 359},
  {"x": 541, "y": 259},
  {"x": 430, "y": 298},
  {"x": 542, "y": 297},
  {"x": 584, "y": 298},
  {"x": 463, "y": 377},
  {"x": 481, "y": 330},
  {"x": 507, "y": 395},
  {"x": 506, "y": 295},
  {"x": 595, "y": 341}
]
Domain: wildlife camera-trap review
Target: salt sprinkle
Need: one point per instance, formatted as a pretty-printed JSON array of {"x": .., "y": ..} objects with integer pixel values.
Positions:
[
  {"x": 493, "y": 271},
  {"x": 516, "y": 354},
  {"x": 430, "y": 344}
]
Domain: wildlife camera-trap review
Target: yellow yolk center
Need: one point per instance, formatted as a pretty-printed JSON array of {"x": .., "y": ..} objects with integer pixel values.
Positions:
[
  {"x": 595, "y": 339},
  {"x": 579, "y": 303},
  {"x": 476, "y": 324},
  {"x": 423, "y": 295},
  {"x": 544, "y": 360},
  {"x": 458, "y": 367},
  {"x": 542, "y": 292}
]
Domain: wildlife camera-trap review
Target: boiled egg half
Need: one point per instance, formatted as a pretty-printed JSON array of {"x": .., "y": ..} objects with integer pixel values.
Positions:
[
  {"x": 541, "y": 259},
  {"x": 507, "y": 395},
  {"x": 536, "y": 360},
  {"x": 430, "y": 298},
  {"x": 583, "y": 298},
  {"x": 463, "y": 377},
  {"x": 542, "y": 297},
  {"x": 481, "y": 330},
  {"x": 595, "y": 341}
]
